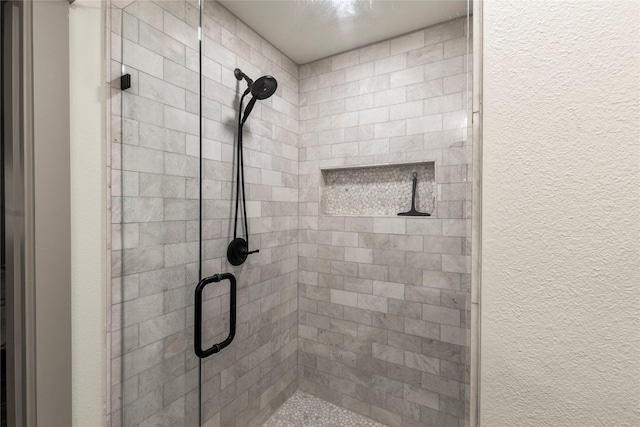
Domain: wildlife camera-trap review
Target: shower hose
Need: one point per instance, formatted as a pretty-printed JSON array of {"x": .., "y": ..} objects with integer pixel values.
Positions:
[{"x": 239, "y": 249}]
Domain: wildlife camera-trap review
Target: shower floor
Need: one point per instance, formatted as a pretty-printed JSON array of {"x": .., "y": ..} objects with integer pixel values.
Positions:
[{"x": 304, "y": 410}]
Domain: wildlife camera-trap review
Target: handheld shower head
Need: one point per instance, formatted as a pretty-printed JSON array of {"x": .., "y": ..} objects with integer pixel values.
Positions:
[{"x": 263, "y": 88}]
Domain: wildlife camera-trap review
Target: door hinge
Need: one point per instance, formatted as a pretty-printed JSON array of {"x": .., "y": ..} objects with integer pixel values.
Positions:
[{"x": 125, "y": 82}]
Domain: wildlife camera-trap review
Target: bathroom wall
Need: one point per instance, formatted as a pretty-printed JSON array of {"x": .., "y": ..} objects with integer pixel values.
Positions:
[
  {"x": 383, "y": 326},
  {"x": 560, "y": 250},
  {"x": 244, "y": 384},
  {"x": 155, "y": 189}
]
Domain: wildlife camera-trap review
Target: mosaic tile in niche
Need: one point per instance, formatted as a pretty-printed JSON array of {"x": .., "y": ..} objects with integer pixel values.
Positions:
[{"x": 379, "y": 190}]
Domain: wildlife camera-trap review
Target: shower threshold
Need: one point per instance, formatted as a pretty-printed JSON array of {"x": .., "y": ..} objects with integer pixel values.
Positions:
[{"x": 305, "y": 410}]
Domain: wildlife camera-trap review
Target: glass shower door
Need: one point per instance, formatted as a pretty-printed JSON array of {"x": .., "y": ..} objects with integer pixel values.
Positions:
[{"x": 160, "y": 214}]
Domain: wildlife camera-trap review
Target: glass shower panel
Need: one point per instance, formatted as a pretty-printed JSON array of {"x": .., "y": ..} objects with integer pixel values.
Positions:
[
  {"x": 244, "y": 383},
  {"x": 469, "y": 212},
  {"x": 369, "y": 311},
  {"x": 160, "y": 213}
]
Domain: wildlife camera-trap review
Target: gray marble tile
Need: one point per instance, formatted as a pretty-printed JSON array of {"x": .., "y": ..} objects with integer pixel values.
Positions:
[
  {"x": 421, "y": 362},
  {"x": 142, "y": 109},
  {"x": 161, "y": 327},
  {"x": 421, "y": 396},
  {"x": 426, "y": 55},
  {"x": 160, "y": 43}
]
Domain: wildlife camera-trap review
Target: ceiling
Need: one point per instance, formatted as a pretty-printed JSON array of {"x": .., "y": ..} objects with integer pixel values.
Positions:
[{"x": 307, "y": 30}]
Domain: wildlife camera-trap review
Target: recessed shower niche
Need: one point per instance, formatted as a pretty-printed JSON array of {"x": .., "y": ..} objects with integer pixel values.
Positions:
[{"x": 383, "y": 190}]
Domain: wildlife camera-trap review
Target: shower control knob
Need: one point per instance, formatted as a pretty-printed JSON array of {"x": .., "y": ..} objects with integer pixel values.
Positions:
[{"x": 238, "y": 251}]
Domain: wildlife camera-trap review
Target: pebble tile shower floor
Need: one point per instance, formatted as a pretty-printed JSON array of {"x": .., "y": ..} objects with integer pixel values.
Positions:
[{"x": 305, "y": 410}]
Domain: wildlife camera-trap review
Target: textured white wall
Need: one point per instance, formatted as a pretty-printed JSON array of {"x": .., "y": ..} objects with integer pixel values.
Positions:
[
  {"x": 88, "y": 242},
  {"x": 560, "y": 275}
]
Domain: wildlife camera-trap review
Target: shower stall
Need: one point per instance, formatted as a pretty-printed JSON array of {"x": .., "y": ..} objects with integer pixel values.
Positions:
[{"x": 340, "y": 297}]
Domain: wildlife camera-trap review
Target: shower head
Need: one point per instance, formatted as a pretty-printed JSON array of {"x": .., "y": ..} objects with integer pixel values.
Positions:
[{"x": 263, "y": 88}]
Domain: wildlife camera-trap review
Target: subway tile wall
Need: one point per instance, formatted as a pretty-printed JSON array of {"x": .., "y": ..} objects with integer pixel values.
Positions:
[
  {"x": 244, "y": 385},
  {"x": 383, "y": 301},
  {"x": 155, "y": 187},
  {"x": 367, "y": 312}
]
